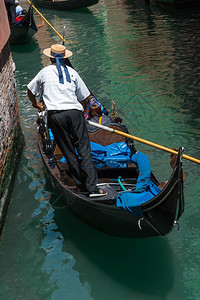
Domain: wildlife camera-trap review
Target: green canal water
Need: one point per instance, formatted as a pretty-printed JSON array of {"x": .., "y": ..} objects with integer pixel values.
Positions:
[{"x": 147, "y": 59}]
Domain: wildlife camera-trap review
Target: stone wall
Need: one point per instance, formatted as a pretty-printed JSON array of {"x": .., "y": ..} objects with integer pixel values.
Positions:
[{"x": 10, "y": 132}]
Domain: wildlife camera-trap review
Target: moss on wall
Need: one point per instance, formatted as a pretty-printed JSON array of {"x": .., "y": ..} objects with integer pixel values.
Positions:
[{"x": 7, "y": 179}]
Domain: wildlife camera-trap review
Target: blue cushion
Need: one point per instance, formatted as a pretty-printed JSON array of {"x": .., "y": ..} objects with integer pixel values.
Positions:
[{"x": 145, "y": 189}]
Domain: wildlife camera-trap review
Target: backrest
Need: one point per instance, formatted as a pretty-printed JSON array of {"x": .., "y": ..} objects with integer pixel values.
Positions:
[{"x": 105, "y": 138}]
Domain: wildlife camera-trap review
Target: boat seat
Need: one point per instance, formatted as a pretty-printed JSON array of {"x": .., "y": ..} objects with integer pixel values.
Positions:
[
  {"x": 106, "y": 138},
  {"x": 109, "y": 198}
]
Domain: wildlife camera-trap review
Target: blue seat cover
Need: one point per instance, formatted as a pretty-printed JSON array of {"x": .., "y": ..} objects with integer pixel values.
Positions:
[
  {"x": 113, "y": 155},
  {"x": 145, "y": 189}
]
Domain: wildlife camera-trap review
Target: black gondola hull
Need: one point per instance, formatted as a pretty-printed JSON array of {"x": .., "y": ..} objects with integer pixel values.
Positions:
[
  {"x": 23, "y": 31},
  {"x": 21, "y": 35},
  {"x": 65, "y": 5},
  {"x": 160, "y": 213}
]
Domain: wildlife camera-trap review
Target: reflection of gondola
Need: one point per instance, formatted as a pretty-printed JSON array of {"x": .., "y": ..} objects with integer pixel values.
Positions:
[
  {"x": 65, "y": 4},
  {"x": 152, "y": 218},
  {"x": 135, "y": 264},
  {"x": 23, "y": 30}
]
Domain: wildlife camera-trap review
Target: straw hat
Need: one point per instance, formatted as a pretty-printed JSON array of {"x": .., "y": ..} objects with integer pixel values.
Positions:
[{"x": 57, "y": 49}]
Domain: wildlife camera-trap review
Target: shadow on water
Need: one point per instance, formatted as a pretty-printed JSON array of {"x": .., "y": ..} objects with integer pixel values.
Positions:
[
  {"x": 26, "y": 48},
  {"x": 64, "y": 13},
  {"x": 69, "y": 14},
  {"x": 141, "y": 265},
  {"x": 27, "y": 59}
]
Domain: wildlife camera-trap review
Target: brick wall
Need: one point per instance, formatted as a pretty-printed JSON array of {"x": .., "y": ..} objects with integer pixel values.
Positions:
[{"x": 10, "y": 132}]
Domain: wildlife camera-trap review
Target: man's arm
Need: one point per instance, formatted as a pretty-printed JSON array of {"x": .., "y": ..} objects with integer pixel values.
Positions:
[{"x": 33, "y": 100}]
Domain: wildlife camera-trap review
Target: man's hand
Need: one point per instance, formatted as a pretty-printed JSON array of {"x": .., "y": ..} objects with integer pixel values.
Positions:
[
  {"x": 38, "y": 105},
  {"x": 34, "y": 102}
]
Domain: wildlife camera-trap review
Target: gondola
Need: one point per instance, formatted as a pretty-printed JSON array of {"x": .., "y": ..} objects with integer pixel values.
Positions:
[
  {"x": 24, "y": 29},
  {"x": 65, "y": 4},
  {"x": 155, "y": 217}
]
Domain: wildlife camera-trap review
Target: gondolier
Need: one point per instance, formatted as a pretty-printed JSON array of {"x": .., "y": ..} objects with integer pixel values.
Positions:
[{"x": 63, "y": 93}]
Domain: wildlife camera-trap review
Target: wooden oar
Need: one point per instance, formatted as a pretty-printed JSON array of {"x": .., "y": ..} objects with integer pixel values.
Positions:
[
  {"x": 142, "y": 141},
  {"x": 60, "y": 36}
]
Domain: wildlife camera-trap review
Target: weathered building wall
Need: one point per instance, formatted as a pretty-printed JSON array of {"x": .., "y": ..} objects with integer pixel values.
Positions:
[{"x": 10, "y": 132}]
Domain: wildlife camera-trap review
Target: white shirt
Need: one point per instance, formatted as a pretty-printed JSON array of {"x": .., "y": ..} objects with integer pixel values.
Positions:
[{"x": 58, "y": 96}]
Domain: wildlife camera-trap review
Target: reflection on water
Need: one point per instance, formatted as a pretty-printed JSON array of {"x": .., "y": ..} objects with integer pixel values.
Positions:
[
  {"x": 146, "y": 58},
  {"x": 134, "y": 265},
  {"x": 82, "y": 261}
]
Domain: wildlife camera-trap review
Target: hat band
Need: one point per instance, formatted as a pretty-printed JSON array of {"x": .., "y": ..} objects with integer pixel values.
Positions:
[{"x": 54, "y": 54}]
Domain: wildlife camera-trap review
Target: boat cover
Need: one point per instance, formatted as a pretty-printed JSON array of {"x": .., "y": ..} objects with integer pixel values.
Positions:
[
  {"x": 116, "y": 155},
  {"x": 145, "y": 189}
]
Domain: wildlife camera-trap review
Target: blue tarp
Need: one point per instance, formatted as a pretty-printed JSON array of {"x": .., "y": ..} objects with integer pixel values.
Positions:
[
  {"x": 145, "y": 189},
  {"x": 144, "y": 167},
  {"x": 132, "y": 200},
  {"x": 115, "y": 155},
  {"x": 118, "y": 154}
]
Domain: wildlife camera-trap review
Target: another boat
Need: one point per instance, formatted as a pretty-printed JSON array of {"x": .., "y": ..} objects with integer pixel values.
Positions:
[
  {"x": 179, "y": 3},
  {"x": 24, "y": 29},
  {"x": 65, "y": 4},
  {"x": 155, "y": 217}
]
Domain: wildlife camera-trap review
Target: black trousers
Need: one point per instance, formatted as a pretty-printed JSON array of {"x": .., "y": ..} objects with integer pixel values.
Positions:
[{"x": 70, "y": 132}]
